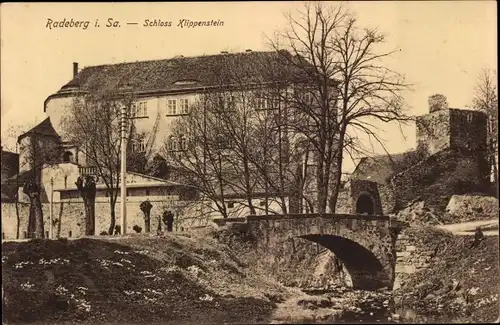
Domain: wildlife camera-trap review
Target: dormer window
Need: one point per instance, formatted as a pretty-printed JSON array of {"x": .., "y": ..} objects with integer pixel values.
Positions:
[{"x": 185, "y": 82}]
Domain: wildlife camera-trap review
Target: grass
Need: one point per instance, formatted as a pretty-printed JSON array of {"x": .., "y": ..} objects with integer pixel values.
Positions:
[{"x": 141, "y": 279}]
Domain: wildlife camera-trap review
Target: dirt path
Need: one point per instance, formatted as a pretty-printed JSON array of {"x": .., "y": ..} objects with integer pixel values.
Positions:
[{"x": 489, "y": 227}]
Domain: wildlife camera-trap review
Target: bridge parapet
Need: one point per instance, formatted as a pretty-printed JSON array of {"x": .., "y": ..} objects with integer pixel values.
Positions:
[{"x": 351, "y": 219}]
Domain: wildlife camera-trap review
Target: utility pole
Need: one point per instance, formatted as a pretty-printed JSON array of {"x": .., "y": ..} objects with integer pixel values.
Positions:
[
  {"x": 51, "y": 207},
  {"x": 123, "y": 171}
]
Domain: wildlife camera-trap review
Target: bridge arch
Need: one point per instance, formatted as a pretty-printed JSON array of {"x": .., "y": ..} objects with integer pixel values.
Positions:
[
  {"x": 365, "y": 269},
  {"x": 365, "y": 244}
]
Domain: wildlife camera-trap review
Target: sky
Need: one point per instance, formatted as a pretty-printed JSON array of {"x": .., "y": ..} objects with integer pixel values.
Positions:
[{"x": 441, "y": 46}]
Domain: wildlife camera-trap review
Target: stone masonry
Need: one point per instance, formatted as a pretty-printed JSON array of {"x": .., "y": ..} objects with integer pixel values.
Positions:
[{"x": 364, "y": 244}]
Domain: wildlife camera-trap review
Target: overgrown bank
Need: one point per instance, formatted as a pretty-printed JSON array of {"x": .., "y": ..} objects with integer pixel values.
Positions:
[
  {"x": 459, "y": 285},
  {"x": 141, "y": 279},
  {"x": 211, "y": 277}
]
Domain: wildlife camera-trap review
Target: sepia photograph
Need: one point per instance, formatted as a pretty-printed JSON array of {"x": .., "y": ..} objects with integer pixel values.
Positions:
[{"x": 249, "y": 162}]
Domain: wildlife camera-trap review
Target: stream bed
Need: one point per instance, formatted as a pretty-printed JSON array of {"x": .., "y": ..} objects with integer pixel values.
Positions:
[{"x": 343, "y": 306}]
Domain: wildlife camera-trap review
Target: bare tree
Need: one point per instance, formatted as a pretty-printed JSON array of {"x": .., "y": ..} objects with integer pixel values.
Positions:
[
  {"x": 486, "y": 100},
  {"x": 146, "y": 207},
  {"x": 93, "y": 124},
  {"x": 346, "y": 87},
  {"x": 87, "y": 189},
  {"x": 196, "y": 149}
]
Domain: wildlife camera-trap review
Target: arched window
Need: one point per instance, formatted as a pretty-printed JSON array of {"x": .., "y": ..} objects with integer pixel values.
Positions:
[
  {"x": 182, "y": 143},
  {"x": 68, "y": 157},
  {"x": 172, "y": 144}
]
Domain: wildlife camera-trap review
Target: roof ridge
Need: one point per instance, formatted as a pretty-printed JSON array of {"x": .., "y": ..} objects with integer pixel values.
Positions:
[{"x": 176, "y": 57}]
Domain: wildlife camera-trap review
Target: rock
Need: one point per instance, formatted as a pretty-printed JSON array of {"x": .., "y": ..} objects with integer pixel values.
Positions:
[
  {"x": 474, "y": 206},
  {"x": 473, "y": 291}
]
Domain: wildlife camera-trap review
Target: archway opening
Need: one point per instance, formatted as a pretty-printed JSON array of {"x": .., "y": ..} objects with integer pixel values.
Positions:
[
  {"x": 68, "y": 157},
  {"x": 365, "y": 270},
  {"x": 364, "y": 204}
]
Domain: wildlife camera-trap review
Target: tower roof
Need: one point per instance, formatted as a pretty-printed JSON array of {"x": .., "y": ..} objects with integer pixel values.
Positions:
[{"x": 44, "y": 128}]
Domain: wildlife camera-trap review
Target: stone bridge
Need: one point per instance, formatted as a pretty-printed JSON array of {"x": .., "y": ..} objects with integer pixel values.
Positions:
[{"x": 364, "y": 243}]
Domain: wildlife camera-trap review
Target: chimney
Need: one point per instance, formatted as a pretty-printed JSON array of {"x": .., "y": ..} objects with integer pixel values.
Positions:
[
  {"x": 75, "y": 69},
  {"x": 248, "y": 50}
]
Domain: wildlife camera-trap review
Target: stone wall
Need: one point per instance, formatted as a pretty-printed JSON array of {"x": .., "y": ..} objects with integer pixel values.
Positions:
[
  {"x": 363, "y": 187},
  {"x": 365, "y": 247},
  {"x": 415, "y": 250},
  {"x": 70, "y": 217},
  {"x": 433, "y": 131},
  {"x": 439, "y": 176},
  {"x": 387, "y": 198},
  {"x": 346, "y": 201}
]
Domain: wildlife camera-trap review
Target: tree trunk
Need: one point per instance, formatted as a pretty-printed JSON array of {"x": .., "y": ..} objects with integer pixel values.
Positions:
[
  {"x": 18, "y": 218},
  {"x": 92, "y": 215},
  {"x": 89, "y": 205},
  {"x": 159, "y": 224},
  {"x": 37, "y": 204},
  {"x": 31, "y": 221},
  {"x": 338, "y": 176},
  {"x": 60, "y": 219},
  {"x": 147, "y": 221},
  {"x": 112, "y": 221}
]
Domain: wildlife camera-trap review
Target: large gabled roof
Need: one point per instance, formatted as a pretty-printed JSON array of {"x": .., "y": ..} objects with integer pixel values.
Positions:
[{"x": 188, "y": 73}]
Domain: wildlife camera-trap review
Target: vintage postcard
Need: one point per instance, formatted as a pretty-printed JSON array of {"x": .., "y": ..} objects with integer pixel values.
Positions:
[{"x": 249, "y": 162}]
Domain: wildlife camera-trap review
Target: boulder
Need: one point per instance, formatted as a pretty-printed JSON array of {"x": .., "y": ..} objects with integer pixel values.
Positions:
[{"x": 473, "y": 207}]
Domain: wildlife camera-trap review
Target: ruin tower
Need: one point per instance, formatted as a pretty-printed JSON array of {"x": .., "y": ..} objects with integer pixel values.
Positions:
[{"x": 445, "y": 128}]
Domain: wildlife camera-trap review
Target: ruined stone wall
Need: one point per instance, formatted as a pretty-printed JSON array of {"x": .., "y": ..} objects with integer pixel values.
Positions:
[
  {"x": 387, "y": 198},
  {"x": 468, "y": 129},
  {"x": 433, "y": 131},
  {"x": 440, "y": 176}
]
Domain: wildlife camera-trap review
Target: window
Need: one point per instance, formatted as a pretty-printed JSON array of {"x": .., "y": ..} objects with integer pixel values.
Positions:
[
  {"x": 147, "y": 192},
  {"x": 273, "y": 102},
  {"x": 230, "y": 205},
  {"x": 182, "y": 143},
  {"x": 469, "y": 118},
  {"x": 183, "y": 106},
  {"x": 141, "y": 109},
  {"x": 267, "y": 102},
  {"x": 262, "y": 203},
  {"x": 261, "y": 103},
  {"x": 223, "y": 143},
  {"x": 172, "y": 144},
  {"x": 139, "y": 145},
  {"x": 68, "y": 157},
  {"x": 177, "y": 143},
  {"x": 171, "y": 106}
]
